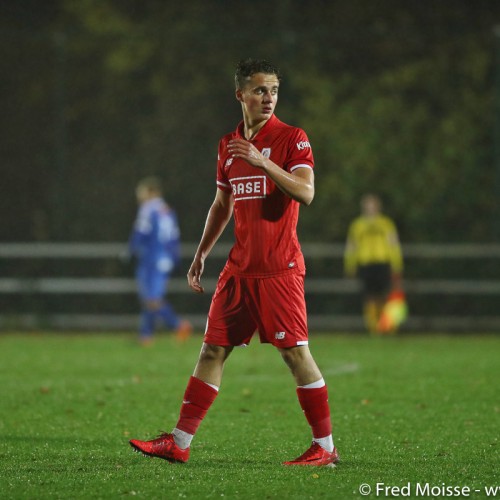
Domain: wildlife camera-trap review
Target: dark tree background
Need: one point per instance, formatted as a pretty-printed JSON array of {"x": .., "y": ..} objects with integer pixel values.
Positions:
[{"x": 397, "y": 97}]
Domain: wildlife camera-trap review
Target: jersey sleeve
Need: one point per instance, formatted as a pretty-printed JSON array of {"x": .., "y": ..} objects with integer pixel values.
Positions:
[
  {"x": 351, "y": 251},
  {"x": 395, "y": 254},
  {"x": 143, "y": 222},
  {"x": 141, "y": 232},
  {"x": 299, "y": 151},
  {"x": 170, "y": 235},
  {"x": 222, "y": 158}
]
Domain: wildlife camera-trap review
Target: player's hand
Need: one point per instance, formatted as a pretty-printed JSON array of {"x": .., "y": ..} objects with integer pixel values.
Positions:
[
  {"x": 194, "y": 275},
  {"x": 240, "y": 148}
]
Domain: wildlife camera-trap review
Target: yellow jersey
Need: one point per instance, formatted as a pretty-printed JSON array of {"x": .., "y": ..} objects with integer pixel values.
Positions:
[{"x": 372, "y": 240}]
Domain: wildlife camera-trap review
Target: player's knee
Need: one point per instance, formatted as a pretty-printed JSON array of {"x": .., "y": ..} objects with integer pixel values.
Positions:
[
  {"x": 152, "y": 305},
  {"x": 211, "y": 353},
  {"x": 294, "y": 356}
]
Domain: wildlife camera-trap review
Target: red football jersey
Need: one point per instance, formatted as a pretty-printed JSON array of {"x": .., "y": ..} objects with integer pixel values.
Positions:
[{"x": 265, "y": 218}]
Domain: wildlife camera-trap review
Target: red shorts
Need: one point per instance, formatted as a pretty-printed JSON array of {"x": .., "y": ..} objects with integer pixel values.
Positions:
[{"x": 274, "y": 306}]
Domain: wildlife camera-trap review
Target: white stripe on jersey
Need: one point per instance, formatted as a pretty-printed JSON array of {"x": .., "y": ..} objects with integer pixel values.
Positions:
[{"x": 302, "y": 165}]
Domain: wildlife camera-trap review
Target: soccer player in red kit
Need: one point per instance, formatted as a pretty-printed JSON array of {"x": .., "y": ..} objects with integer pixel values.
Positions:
[{"x": 264, "y": 172}]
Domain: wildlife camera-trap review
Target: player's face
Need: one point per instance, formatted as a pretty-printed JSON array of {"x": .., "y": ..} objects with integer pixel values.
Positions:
[
  {"x": 142, "y": 194},
  {"x": 259, "y": 96},
  {"x": 370, "y": 206}
]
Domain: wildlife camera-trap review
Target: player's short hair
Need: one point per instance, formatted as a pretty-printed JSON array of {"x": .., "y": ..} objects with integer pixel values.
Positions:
[
  {"x": 151, "y": 183},
  {"x": 246, "y": 68},
  {"x": 371, "y": 197}
]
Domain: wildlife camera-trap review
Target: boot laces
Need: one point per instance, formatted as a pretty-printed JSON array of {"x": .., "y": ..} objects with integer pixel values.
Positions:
[{"x": 312, "y": 452}]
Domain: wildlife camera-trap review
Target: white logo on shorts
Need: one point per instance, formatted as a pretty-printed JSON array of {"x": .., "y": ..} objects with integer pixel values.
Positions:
[{"x": 279, "y": 335}]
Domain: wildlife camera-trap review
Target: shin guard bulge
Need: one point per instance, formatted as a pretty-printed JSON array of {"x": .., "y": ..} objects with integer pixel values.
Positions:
[
  {"x": 198, "y": 398},
  {"x": 314, "y": 403}
]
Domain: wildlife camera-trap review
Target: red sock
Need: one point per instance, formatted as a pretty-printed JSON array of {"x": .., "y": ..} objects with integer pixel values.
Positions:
[
  {"x": 198, "y": 398},
  {"x": 314, "y": 403}
]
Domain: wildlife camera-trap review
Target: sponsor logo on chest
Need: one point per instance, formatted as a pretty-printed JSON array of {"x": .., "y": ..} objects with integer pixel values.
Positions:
[{"x": 249, "y": 188}]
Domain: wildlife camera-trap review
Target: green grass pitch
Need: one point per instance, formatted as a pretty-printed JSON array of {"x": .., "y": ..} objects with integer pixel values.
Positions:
[{"x": 410, "y": 409}]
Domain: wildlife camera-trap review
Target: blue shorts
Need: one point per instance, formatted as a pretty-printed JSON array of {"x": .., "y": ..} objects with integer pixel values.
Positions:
[{"x": 151, "y": 283}]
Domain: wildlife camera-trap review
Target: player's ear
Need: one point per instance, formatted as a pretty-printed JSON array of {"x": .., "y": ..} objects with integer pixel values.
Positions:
[{"x": 239, "y": 95}]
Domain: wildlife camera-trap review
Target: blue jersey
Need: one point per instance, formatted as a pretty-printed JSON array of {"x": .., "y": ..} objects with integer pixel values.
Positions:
[{"x": 155, "y": 238}]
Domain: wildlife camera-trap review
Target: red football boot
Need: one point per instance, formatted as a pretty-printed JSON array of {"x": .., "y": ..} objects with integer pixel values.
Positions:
[
  {"x": 162, "y": 447},
  {"x": 316, "y": 455}
]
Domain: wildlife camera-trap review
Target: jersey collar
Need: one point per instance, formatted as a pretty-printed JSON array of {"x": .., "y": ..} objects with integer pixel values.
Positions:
[{"x": 240, "y": 131}]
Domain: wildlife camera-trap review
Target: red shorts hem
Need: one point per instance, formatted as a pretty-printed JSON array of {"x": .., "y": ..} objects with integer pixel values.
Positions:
[{"x": 273, "y": 306}]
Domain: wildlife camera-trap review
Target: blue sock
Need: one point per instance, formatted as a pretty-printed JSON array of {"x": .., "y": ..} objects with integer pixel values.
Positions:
[
  {"x": 168, "y": 316},
  {"x": 147, "y": 326}
]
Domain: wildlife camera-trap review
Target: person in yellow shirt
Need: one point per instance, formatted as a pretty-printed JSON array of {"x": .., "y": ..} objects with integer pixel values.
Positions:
[{"x": 373, "y": 254}]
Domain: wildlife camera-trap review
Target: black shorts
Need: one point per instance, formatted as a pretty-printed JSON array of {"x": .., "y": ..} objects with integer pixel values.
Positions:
[{"x": 376, "y": 278}]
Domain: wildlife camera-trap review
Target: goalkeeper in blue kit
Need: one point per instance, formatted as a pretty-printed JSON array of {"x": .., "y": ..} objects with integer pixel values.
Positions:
[{"x": 155, "y": 243}]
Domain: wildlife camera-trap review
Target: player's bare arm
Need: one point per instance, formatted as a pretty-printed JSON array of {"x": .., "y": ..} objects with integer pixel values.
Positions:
[
  {"x": 218, "y": 216},
  {"x": 299, "y": 185}
]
